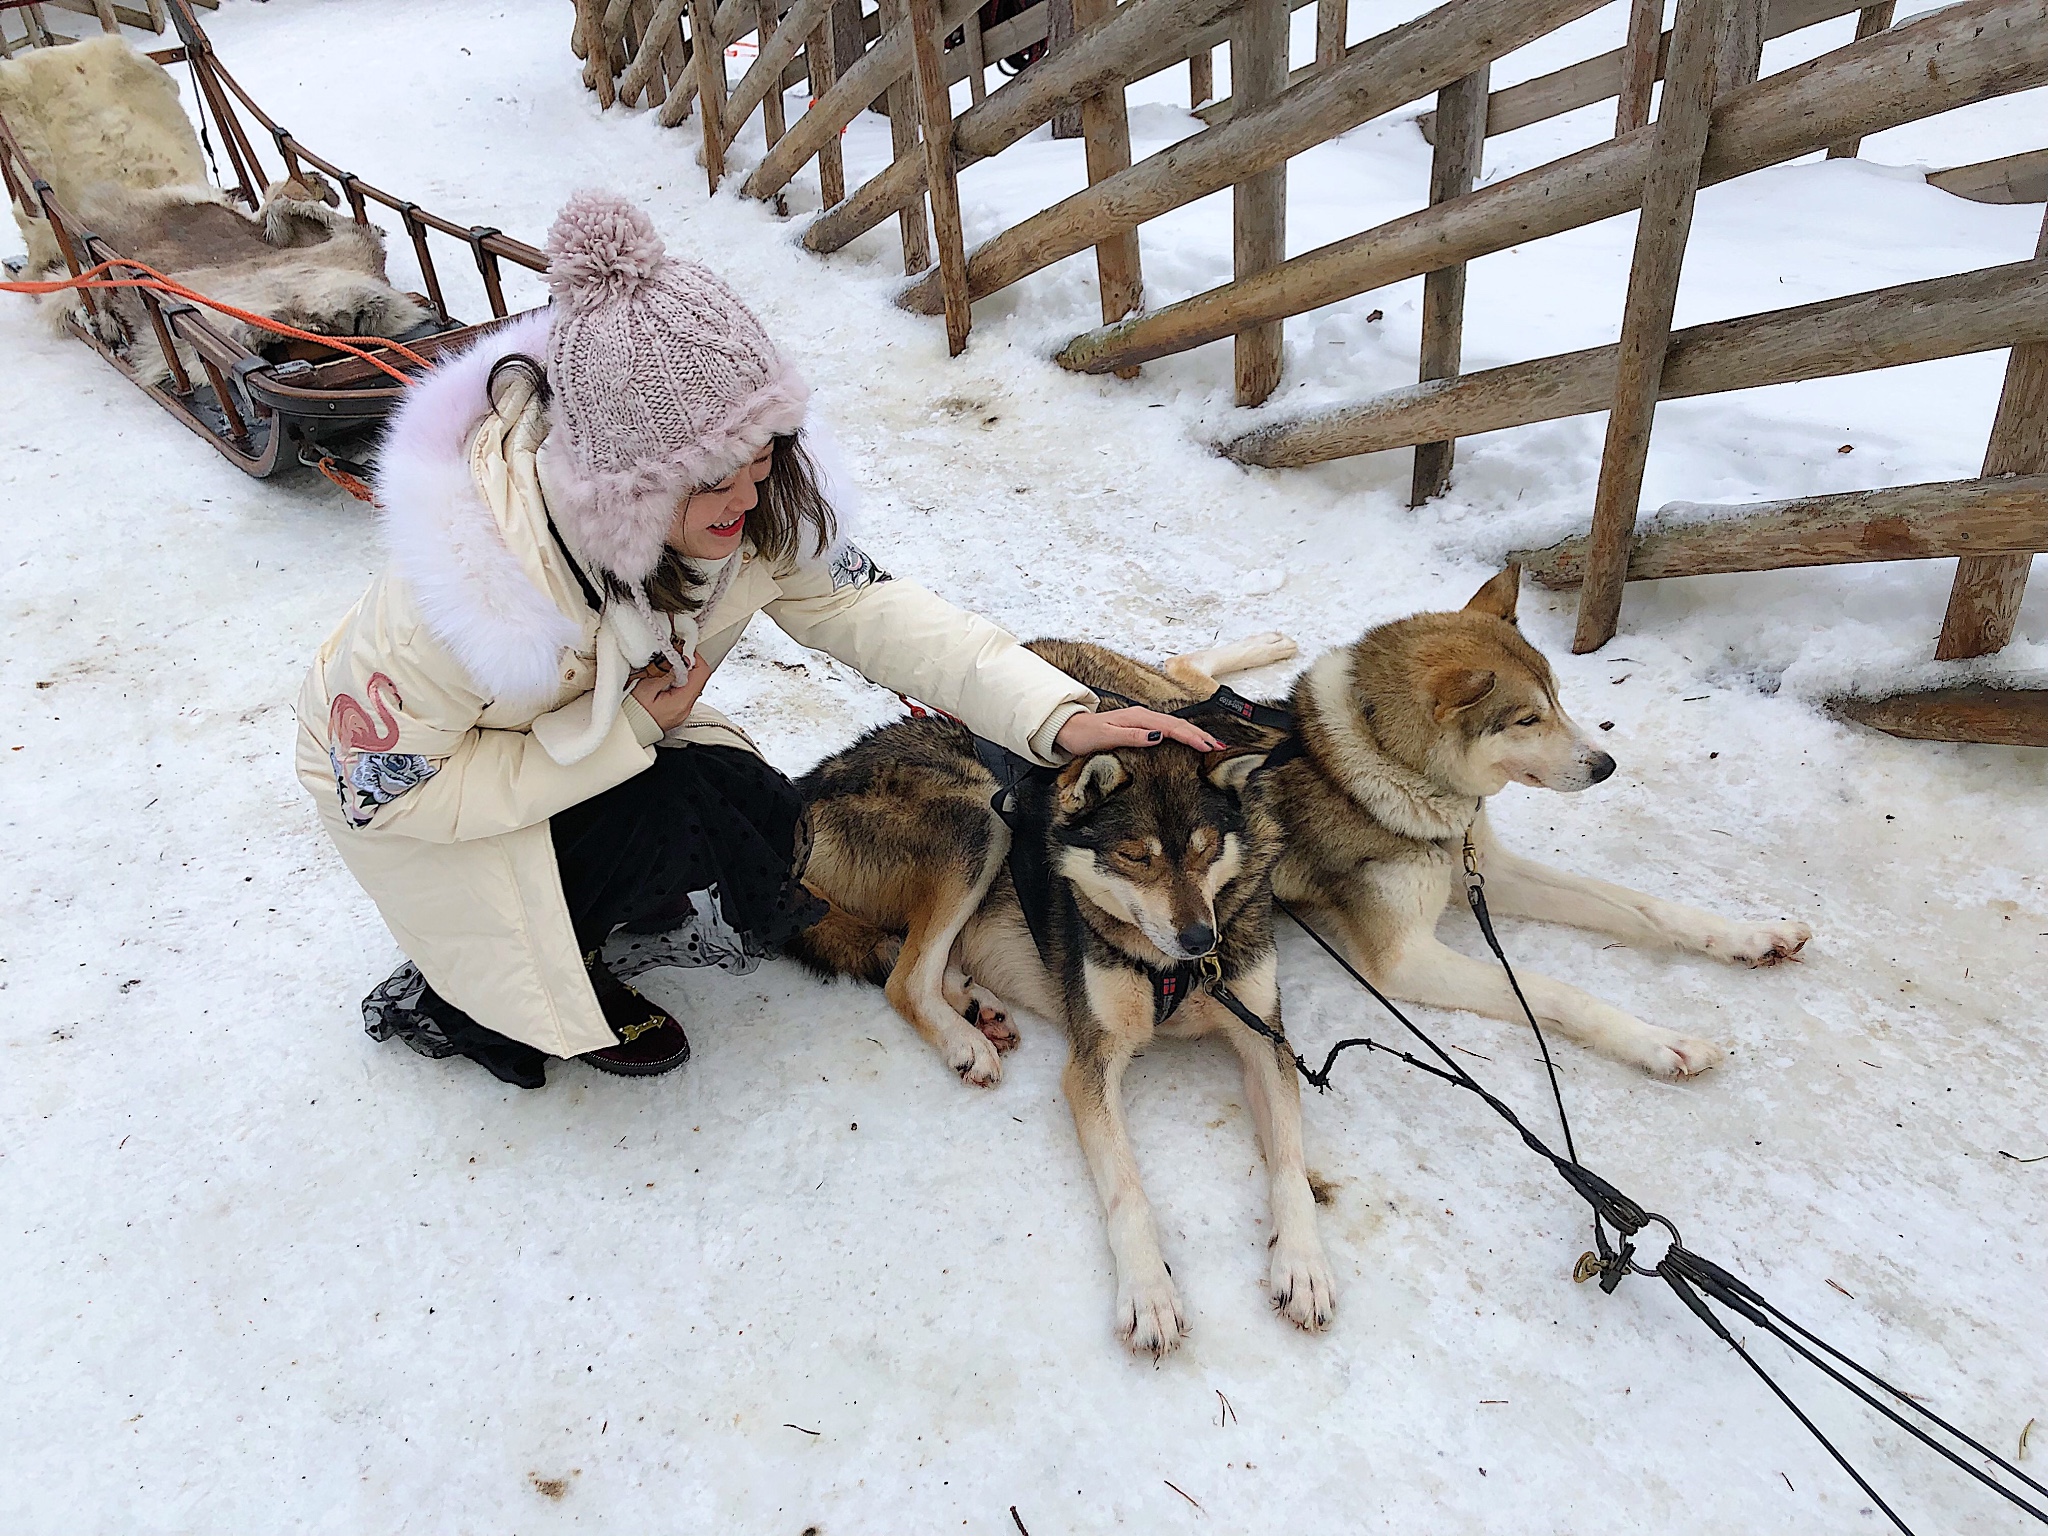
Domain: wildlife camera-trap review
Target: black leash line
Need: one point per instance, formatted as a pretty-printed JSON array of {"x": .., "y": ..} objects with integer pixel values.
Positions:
[
  {"x": 1699, "y": 1309},
  {"x": 1692, "y": 1279}
]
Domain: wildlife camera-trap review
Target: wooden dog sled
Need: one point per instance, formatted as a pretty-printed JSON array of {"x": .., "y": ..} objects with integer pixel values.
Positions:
[{"x": 303, "y": 398}]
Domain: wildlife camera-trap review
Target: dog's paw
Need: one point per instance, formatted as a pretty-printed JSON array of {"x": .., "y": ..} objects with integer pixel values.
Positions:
[
  {"x": 979, "y": 1007},
  {"x": 1148, "y": 1314},
  {"x": 1301, "y": 1285},
  {"x": 987, "y": 1013},
  {"x": 1754, "y": 944},
  {"x": 1669, "y": 1055},
  {"x": 1762, "y": 944},
  {"x": 1256, "y": 651},
  {"x": 971, "y": 1054}
]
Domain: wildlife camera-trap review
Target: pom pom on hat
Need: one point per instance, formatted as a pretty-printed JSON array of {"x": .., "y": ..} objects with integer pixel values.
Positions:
[{"x": 600, "y": 250}]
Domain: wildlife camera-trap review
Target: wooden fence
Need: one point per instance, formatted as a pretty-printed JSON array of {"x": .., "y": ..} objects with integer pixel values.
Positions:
[
  {"x": 30, "y": 26},
  {"x": 1718, "y": 118}
]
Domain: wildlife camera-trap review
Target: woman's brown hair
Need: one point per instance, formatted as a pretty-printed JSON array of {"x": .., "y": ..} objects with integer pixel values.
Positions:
[{"x": 789, "y": 506}]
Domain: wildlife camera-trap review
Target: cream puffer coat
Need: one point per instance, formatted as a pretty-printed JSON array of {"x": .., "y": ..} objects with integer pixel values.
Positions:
[{"x": 472, "y": 693}]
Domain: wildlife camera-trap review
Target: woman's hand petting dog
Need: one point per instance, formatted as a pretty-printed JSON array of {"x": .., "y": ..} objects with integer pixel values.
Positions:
[
  {"x": 1130, "y": 727},
  {"x": 669, "y": 702}
]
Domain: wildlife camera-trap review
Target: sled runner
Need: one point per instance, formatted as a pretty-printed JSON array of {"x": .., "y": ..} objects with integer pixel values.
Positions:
[{"x": 265, "y": 391}]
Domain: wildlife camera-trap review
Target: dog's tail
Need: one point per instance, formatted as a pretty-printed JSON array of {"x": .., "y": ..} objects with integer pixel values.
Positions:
[{"x": 844, "y": 945}]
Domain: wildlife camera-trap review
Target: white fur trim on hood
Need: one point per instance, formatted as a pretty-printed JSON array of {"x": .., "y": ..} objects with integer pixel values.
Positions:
[{"x": 443, "y": 540}]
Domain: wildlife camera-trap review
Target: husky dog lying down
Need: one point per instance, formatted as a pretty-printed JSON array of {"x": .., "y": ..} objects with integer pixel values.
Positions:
[
  {"x": 1401, "y": 739},
  {"x": 1136, "y": 864}
]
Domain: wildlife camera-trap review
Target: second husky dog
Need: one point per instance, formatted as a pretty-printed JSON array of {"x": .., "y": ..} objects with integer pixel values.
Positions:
[
  {"x": 1400, "y": 740},
  {"x": 1142, "y": 880}
]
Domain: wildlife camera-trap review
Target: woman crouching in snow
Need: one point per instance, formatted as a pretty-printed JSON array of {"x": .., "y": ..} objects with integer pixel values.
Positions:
[{"x": 504, "y": 735}]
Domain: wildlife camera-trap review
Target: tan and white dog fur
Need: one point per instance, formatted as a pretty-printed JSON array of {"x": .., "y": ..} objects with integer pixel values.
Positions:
[{"x": 1405, "y": 735}]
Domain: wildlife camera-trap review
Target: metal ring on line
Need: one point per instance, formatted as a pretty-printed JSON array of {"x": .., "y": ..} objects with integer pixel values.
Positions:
[{"x": 1676, "y": 1241}]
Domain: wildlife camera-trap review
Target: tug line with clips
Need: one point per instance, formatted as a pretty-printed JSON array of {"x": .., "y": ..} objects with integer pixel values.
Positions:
[{"x": 1695, "y": 1280}]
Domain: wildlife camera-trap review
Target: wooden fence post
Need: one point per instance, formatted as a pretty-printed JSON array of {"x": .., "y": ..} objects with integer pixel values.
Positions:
[
  {"x": 849, "y": 36},
  {"x": 1661, "y": 231},
  {"x": 1106, "y": 137},
  {"x": 822, "y": 57},
  {"x": 1201, "y": 77},
  {"x": 977, "y": 61},
  {"x": 709, "y": 60},
  {"x": 1870, "y": 21},
  {"x": 1258, "y": 74},
  {"x": 935, "y": 109},
  {"x": 1062, "y": 24},
  {"x": 597, "y": 65},
  {"x": 1460, "y": 147},
  {"x": 1639, "y": 65},
  {"x": 772, "y": 123},
  {"x": 902, "y": 97},
  {"x": 1741, "y": 55},
  {"x": 1333, "y": 17},
  {"x": 1984, "y": 601}
]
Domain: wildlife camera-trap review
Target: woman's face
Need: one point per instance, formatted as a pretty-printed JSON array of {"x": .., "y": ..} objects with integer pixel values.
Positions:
[{"x": 709, "y": 523}]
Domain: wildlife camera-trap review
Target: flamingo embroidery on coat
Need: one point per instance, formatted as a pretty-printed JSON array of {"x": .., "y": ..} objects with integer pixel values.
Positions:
[{"x": 367, "y": 773}]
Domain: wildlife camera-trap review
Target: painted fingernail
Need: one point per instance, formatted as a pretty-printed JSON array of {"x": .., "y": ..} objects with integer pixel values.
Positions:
[{"x": 1154, "y": 736}]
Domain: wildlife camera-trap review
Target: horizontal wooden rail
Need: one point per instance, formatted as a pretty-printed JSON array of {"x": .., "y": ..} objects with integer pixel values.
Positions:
[
  {"x": 1941, "y": 519},
  {"x": 1378, "y": 75},
  {"x": 1983, "y": 714},
  {"x": 1966, "y": 53},
  {"x": 2013, "y": 179},
  {"x": 1599, "y": 78},
  {"x": 1887, "y": 328},
  {"x": 1103, "y": 58}
]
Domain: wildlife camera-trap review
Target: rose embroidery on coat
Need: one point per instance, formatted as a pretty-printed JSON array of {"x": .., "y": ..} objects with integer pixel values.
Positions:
[
  {"x": 367, "y": 774},
  {"x": 851, "y": 567}
]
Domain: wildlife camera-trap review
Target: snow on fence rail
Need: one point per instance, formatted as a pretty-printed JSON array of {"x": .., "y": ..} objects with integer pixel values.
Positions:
[{"x": 1718, "y": 120}]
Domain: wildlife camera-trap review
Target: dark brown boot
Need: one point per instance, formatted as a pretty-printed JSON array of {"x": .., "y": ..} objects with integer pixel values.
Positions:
[{"x": 651, "y": 1042}]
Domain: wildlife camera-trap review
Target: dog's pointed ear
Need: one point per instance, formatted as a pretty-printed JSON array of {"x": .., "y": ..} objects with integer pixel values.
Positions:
[
  {"x": 1456, "y": 688},
  {"x": 1088, "y": 781},
  {"x": 1498, "y": 596},
  {"x": 1232, "y": 769}
]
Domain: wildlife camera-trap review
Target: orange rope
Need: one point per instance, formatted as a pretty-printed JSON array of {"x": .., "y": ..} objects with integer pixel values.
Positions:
[
  {"x": 341, "y": 477},
  {"x": 158, "y": 283}
]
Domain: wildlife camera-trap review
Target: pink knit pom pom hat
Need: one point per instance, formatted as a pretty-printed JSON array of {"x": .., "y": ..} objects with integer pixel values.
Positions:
[{"x": 663, "y": 381}]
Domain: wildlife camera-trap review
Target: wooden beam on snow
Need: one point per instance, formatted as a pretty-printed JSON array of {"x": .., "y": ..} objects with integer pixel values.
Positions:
[
  {"x": 1940, "y": 519},
  {"x": 1982, "y": 714}
]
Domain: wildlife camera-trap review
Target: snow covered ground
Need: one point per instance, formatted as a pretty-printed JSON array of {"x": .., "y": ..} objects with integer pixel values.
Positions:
[{"x": 812, "y": 1282}]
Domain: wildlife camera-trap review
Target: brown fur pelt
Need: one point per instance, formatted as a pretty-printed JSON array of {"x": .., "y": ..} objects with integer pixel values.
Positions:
[
  {"x": 294, "y": 260},
  {"x": 95, "y": 112}
]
